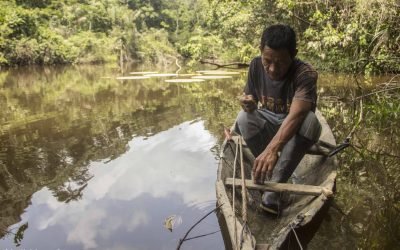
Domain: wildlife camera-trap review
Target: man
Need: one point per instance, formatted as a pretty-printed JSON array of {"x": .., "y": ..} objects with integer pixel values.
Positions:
[{"x": 285, "y": 126}]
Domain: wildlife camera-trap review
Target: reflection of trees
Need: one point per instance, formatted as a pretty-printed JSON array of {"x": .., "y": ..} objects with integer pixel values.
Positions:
[
  {"x": 66, "y": 193},
  {"x": 369, "y": 175},
  {"x": 77, "y": 117}
]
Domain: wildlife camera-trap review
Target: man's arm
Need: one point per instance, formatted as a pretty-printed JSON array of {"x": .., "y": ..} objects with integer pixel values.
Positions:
[{"x": 265, "y": 162}]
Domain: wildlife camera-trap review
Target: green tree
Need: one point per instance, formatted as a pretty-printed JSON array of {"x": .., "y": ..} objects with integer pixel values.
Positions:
[{"x": 34, "y": 3}]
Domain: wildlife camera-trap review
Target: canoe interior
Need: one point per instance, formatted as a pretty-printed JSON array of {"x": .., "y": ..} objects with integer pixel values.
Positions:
[{"x": 298, "y": 210}]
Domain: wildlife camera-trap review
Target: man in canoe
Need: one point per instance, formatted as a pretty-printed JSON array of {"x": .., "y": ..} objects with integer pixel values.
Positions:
[{"x": 277, "y": 121}]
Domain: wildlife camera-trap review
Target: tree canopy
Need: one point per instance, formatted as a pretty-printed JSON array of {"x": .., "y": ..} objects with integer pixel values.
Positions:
[{"x": 344, "y": 35}]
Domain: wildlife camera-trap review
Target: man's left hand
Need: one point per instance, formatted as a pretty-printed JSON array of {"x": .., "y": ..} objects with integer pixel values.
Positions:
[{"x": 264, "y": 165}]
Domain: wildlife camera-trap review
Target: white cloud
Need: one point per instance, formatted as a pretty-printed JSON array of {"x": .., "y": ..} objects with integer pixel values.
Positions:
[
  {"x": 86, "y": 229},
  {"x": 139, "y": 218},
  {"x": 177, "y": 160}
]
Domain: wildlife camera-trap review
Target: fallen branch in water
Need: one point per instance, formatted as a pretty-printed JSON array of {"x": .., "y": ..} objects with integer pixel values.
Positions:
[
  {"x": 237, "y": 64},
  {"x": 199, "y": 236},
  {"x": 385, "y": 88},
  {"x": 375, "y": 92},
  {"x": 190, "y": 229}
]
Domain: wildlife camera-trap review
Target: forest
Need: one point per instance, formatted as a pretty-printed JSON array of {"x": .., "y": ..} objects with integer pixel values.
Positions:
[{"x": 357, "y": 36}]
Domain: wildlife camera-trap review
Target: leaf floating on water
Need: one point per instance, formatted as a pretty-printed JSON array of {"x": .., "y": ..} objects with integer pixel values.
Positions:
[
  {"x": 211, "y": 77},
  {"x": 173, "y": 221},
  {"x": 185, "y": 80},
  {"x": 218, "y": 72},
  {"x": 143, "y": 72},
  {"x": 132, "y": 77},
  {"x": 169, "y": 222},
  {"x": 161, "y": 75}
]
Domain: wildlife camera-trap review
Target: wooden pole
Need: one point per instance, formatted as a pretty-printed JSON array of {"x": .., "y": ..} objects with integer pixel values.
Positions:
[{"x": 283, "y": 187}]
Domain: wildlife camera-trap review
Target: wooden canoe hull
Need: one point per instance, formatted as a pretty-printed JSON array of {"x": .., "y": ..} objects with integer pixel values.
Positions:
[{"x": 315, "y": 172}]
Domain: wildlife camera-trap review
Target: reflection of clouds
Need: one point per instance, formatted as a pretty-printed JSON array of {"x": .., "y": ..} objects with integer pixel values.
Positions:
[
  {"x": 44, "y": 196},
  {"x": 174, "y": 163},
  {"x": 177, "y": 160},
  {"x": 193, "y": 139},
  {"x": 139, "y": 218},
  {"x": 85, "y": 230}
]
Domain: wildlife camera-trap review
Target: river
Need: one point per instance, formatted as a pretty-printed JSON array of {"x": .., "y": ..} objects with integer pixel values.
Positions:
[{"x": 89, "y": 161}]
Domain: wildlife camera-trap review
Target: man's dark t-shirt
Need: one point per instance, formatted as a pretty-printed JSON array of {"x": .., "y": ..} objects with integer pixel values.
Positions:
[{"x": 276, "y": 96}]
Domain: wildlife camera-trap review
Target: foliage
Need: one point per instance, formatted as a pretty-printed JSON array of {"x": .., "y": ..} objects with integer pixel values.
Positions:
[
  {"x": 351, "y": 35},
  {"x": 201, "y": 46},
  {"x": 153, "y": 45},
  {"x": 345, "y": 35},
  {"x": 342, "y": 35},
  {"x": 54, "y": 32}
]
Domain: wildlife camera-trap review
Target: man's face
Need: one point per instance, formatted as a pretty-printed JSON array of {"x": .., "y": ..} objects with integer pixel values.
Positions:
[{"x": 276, "y": 62}]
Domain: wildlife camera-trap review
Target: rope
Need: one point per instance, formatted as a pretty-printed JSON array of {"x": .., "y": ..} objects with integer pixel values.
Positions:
[
  {"x": 297, "y": 238},
  {"x": 233, "y": 194},
  {"x": 244, "y": 196}
]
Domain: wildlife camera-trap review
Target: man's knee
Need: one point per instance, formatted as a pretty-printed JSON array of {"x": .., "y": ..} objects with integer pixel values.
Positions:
[
  {"x": 311, "y": 127},
  {"x": 248, "y": 124},
  {"x": 242, "y": 118}
]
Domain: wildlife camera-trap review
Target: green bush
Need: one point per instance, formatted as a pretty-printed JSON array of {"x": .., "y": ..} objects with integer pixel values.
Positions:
[
  {"x": 201, "y": 47},
  {"x": 349, "y": 35},
  {"x": 90, "y": 47},
  {"x": 19, "y": 23},
  {"x": 154, "y": 46},
  {"x": 33, "y": 3},
  {"x": 25, "y": 51}
]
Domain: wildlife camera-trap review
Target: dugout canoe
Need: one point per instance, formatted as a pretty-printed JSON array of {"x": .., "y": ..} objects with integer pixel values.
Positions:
[{"x": 304, "y": 202}]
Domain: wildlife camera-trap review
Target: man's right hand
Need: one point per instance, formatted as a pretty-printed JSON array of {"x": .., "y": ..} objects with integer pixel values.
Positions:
[{"x": 248, "y": 103}]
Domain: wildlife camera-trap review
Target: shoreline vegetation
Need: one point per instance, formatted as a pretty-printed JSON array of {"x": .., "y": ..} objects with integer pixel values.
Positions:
[{"x": 341, "y": 36}]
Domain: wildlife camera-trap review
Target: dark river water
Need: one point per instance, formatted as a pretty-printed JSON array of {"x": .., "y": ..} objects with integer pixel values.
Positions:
[{"x": 88, "y": 161}]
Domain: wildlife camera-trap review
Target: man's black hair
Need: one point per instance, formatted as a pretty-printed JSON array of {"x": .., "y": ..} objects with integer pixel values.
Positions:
[{"x": 279, "y": 36}]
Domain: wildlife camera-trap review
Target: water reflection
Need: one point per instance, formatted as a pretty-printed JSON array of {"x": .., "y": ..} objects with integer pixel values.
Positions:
[
  {"x": 125, "y": 202},
  {"x": 93, "y": 162},
  {"x": 366, "y": 212},
  {"x": 89, "y": 161}
]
